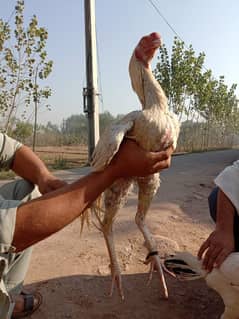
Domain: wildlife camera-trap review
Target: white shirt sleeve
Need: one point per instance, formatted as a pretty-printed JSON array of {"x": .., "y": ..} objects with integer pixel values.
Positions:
[
  {"x": 228, "y": 182},
  {"x": 8, "y": 148}
]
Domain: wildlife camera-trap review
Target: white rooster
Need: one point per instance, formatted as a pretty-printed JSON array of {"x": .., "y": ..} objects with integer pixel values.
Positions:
[
  {"x": 225, "y": 280},
  {"x": 153, "y": 128}
]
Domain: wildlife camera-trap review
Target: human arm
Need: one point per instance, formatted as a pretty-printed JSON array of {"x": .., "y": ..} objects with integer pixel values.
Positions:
[
  {"x": 51, "y": 212},
  {"x": 30, "y": 167},
  {"x": 25, "y": 163},
  {"x": 220, "y": 242}
]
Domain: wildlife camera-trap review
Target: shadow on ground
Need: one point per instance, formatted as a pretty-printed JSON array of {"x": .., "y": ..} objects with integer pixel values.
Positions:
[{"x": 85, "y": 297}]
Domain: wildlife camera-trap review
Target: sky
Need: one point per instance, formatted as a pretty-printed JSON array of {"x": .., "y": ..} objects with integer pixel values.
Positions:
[{"x": 210, "y": 26}]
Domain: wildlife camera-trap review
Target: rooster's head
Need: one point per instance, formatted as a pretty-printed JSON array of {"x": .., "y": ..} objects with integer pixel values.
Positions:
[
  {"x": 143, "y": 81},
  {"x": 147, "y": 47}
]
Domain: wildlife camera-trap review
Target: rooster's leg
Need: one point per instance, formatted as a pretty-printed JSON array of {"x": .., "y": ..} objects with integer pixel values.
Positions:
[
  {"x": 147, "y": 189},
  {"x": 114, "y": 265},
  {"x": 115, "y": 197}
]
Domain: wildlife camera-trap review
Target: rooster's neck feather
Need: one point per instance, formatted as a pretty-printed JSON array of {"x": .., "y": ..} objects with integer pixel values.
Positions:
[{"x": 146, "y": 86}]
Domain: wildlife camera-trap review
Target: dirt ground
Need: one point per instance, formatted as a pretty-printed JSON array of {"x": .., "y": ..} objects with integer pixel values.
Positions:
[{"x": 72, "y": 273}]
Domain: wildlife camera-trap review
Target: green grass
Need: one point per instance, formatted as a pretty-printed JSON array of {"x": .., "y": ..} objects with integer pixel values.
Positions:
[
  {"x": 7, "y": 174},
  {"x": 60, "y": 163}
]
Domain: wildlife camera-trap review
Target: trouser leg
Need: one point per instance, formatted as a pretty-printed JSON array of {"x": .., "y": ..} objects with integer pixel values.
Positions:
[
  {"x": 18, "y": 264},
  {"x": 17, "y": 270},
  {"x": 21, "y": 190},
  {"x": 212, "y": 201}
]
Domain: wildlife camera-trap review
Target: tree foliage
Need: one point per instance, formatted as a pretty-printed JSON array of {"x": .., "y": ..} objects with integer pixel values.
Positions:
[
  {"x": 75, "y": 127},
  {"x": 24, "y": 63},
  {"x": 193, "y": 93},
  {"x": 22, "y": 130}
]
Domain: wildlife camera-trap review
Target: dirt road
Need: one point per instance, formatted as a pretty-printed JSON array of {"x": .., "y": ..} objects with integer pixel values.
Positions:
[{"x": 72, "y": 272}]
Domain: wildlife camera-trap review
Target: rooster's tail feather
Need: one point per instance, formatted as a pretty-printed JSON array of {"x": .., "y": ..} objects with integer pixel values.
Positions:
[
  {"x": 95, "y": 210},
  {"x": 184, "y": 266}
]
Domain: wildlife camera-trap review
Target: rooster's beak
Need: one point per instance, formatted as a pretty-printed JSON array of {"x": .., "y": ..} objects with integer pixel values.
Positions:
[{"x": 156, "y": 43}]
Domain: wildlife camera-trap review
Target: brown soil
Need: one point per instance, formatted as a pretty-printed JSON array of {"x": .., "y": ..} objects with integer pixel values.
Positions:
[{"x": 72, "y": 273}]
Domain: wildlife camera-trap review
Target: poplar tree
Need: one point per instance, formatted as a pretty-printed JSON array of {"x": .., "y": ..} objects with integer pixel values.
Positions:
[{"x": 24, "y": 65}]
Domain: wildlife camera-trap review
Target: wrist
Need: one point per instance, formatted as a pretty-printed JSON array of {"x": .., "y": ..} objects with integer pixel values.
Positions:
[
  {"x": 225, "y": 221},
  {"x": 111, "y": 173},
  {"x": 43, "y": 174},
  {"x": 225, "y": 228}
]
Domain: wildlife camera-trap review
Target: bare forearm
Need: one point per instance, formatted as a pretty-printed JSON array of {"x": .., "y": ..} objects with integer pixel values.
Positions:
[
  {"x": 42, "y": 217},
  {"x": 28, "y": 165},
  {"x": 220, "y": 242},
  {"x": 225, "y": 213},
  {"x": 46, "y": 215}
]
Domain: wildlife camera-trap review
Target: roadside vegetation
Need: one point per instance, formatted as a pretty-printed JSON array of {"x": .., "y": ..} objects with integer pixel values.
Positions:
[{"x": 207, "y": 107}]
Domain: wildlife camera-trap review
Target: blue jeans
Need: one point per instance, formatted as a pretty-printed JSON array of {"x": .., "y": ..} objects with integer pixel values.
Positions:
[{"x": 212, "y": 201}]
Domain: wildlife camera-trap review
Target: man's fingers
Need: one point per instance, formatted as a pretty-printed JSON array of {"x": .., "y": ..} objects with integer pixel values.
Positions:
[
  {"x": 209, "y": 260},
  {"x": 159, "y": 157},
  {"x": 221, "y": 257},
  {"x": 161, "y": 165},
  {"x": 162, "y": 160},
  {"x": 206, "y": 259},
  {"x": 202, "y": 249}
]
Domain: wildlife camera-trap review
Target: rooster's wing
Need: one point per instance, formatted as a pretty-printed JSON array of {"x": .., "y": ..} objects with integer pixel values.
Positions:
[{"x": 111, "y": 140}]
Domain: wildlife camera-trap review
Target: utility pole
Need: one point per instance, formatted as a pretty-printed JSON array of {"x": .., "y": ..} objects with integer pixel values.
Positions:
[{"x": 90, "y": 93}]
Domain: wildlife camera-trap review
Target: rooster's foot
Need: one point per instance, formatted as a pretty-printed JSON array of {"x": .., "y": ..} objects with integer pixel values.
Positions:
[
  {"x": 155, "y": 265},
  {"x": 116, "y": 279}
]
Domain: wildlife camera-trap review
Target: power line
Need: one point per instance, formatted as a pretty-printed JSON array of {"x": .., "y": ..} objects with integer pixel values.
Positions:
[
  {"x": 165, "y": 20},
  {"x": 170, "y": 26},
  {"x": 11, "y": 15},
  {"x": 100, "y": 93}
]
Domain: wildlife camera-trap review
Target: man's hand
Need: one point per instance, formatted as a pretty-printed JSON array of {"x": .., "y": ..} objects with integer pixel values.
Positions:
[
  {"x": 48, "y": 182},
  {"x": 221, "y": 242},
  {"x": 132, "y": 160},
  {"x": 216, "y": 248}
]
